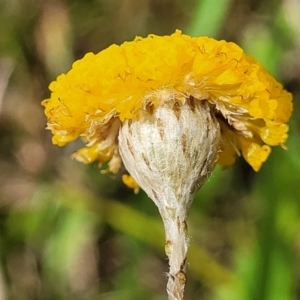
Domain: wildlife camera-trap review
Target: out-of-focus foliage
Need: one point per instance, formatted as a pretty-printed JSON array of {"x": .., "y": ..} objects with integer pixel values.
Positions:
[{"x": 69, "y": 232}]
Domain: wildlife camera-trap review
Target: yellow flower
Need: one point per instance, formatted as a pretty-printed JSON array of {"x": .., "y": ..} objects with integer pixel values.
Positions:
[
  {"x": 102, "y": 90},
  {"x": 168, "y": 108}
]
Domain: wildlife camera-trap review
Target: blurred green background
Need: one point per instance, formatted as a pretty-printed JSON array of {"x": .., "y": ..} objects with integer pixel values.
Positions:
[{"x": 68, "y": 232}]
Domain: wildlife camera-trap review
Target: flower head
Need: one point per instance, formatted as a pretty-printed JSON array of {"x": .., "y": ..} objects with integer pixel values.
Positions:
[
  {"x": 169, "y": 108},
  {"x": 102, "y": 90}
]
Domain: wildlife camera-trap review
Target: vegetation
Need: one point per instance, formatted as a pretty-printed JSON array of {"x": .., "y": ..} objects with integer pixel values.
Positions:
[{"x": 69, "y": 232}]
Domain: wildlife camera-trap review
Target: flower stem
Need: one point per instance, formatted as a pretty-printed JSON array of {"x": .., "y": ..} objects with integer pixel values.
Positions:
[{"x": 176, "y": 249}]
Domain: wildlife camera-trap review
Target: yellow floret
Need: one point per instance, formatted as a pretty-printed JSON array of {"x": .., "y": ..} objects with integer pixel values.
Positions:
[{"x": 120, "y": 80}]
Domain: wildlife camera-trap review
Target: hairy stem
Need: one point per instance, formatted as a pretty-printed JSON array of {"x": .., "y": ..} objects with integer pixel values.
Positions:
[{"x": 176, "y": 249}]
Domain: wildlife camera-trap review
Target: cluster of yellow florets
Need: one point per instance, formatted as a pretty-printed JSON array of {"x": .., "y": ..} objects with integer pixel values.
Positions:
[{"x": 102, "y": 90}]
